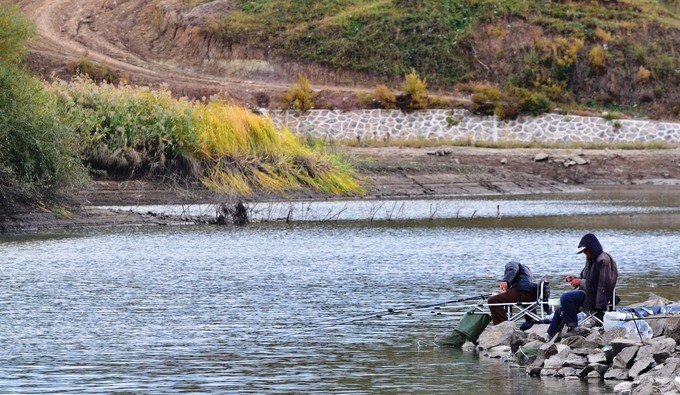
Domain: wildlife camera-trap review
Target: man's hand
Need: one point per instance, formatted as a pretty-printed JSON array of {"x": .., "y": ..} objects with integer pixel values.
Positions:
[
  {"x": 575, "y": 282},
  {"x": 504, "y": 286},
  {"x": 569, "y": 279}
]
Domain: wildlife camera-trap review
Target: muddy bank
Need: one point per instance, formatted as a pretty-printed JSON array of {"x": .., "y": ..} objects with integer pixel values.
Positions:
[{"x": 388, "y": 173}]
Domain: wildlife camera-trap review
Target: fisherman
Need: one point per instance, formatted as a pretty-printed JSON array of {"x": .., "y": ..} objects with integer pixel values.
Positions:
[
  {"x": 517, "y": 286},
  {"x": 594, "y": 287}
]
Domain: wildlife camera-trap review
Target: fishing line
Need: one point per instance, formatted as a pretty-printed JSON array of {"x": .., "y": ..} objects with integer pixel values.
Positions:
[{"x": 407, "y": 310}]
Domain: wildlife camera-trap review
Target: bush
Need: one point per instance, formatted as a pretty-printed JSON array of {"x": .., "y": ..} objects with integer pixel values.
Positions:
[
  {"x": 384, "y": 97},
  {"x": 15, "y": 32},
  {"x": 414, "y": 95},
  {"x": 300, "y": 97},
  {"x": 597, "y": 57},
  {"x": 485, "y": 100},
  {"x": 38, "y": 159},
  {"x": 38, "y": 150}
]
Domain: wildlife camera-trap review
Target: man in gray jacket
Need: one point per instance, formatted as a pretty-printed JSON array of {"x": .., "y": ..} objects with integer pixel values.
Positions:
[
  {"x": 517, "y": 286},
  {"x": 595, "y": 287}
]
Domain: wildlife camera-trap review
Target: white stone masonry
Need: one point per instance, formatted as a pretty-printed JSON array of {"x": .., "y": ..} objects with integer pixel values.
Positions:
[{"x": 462, "y": 125}]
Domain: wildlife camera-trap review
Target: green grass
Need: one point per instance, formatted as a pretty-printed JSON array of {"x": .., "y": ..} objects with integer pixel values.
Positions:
[
  {"x": 505, "y": 42},
  {"x": 133, "y": 132}
]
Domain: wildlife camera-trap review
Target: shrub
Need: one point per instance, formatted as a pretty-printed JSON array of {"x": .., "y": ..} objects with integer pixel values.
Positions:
[
  {"x": 15, "y": 32},
  {"x": 597, "y": 57},
  {"x": 38, "y": 157},
  {"x": 485, "y": 100},
  {"x": 300, "y": 97},
  {"x": 38, "y": 150},
  {"x": 602, "y": 36},
  {"x": 533, "y": 103},
  {"x": 384, "y": 96},
  {"x": 414, "y": 95},
  {"x": 642, "y": 74},
  {"x": 98, "y": 73}
]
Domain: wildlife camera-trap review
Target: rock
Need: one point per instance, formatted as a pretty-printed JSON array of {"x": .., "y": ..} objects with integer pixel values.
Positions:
[
  {"x": 541, "y": 156},
  {"x": 558, "y": 360},
  {"x": 623, "y": 388},
  {"x": 579, "y": 160},
  {"x": 468, "y": 346},
  {"x": 567, "y": 371},
  {"x": 672, "y": 328},
  {"x": 670, "y": 368},
  {"x": 597, "y": 368},
  {"x": 644, "y": 386},
  {"x": 658, "y": 326},
  {"x": 504, "y": 161},
  {"x": 496, "y": 335},
  {"x": 497, "y": 352},
  {"x": 585, "y": 351},
  {"x": 534, "y": 367},
  {"x": 600, "y": 357},
  {"x": 677, "y": 383},
  {"x": 538, "y": 332},
  {"x": 641, "y": 366},
  {"x": 548, "y": 372},
  {"x": 659, "y": 348},
  {"x": 576, "y": 361},
  {"x": 625, "y": 358},
  {"x": 616, "y": 374}
]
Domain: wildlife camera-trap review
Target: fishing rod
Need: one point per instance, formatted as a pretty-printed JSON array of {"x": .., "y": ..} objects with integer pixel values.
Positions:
[{"x": 393, "y": 311}]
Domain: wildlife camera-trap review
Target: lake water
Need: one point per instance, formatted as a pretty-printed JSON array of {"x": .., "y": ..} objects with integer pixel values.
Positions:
[{"x": 276, "y": 307}]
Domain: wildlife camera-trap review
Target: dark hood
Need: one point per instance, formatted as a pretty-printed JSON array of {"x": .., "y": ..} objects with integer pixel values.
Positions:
[{"x": 592, "y": 243}]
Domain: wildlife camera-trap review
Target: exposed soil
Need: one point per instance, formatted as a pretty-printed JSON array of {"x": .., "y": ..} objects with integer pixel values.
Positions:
[{"x": 121, "y": 35}]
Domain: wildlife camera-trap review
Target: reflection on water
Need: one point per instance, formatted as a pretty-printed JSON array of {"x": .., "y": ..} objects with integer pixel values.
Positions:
[{"x": 276, "y": 307}]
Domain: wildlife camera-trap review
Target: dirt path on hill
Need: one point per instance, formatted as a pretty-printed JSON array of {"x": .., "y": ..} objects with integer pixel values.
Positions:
[
  {"x": 120, "y": 35},
  {"x": 116, "y": 33}
]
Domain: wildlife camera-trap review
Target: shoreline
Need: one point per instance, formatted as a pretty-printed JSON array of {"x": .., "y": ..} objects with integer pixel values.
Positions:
[{"x": 389, "y": 173}]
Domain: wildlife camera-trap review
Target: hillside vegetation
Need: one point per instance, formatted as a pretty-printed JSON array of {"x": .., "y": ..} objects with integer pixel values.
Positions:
[
  {"x": 616, "y": 55},
  {"x": 54, "y": 136}
]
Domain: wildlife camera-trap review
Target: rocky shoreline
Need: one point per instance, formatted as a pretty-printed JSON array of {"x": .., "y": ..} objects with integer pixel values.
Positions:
[{"x": 635, "y": 360}]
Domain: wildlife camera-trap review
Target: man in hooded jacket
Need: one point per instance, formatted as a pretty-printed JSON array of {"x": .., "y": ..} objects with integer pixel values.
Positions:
[
  {"x": 595, "y": 287},
  {"x": 517, "y": 286}
]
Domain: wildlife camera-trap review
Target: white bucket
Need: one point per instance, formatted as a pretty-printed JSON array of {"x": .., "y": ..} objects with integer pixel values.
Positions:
[{"x": 554, "y": 302}]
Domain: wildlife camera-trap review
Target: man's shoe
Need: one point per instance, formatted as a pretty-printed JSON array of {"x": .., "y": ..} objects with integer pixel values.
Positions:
[{"x": 575, "y": 331}]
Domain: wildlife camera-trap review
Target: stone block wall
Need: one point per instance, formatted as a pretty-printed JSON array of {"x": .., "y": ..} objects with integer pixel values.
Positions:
[{"x": 462, "y": 125}]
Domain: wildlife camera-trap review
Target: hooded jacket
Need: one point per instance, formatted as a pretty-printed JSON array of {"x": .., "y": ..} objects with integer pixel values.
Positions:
[
  {"x": 600, "y": 275},
  {"x": 519, "y": 277}
]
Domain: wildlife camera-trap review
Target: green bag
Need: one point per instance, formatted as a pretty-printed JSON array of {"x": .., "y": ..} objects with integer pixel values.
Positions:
[
  {"x": 452, "y": 340},
  {"x": 472, "y": 325}
]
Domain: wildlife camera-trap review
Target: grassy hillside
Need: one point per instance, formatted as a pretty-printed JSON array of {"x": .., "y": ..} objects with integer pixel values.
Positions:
[{"x": 620, "y": 55}]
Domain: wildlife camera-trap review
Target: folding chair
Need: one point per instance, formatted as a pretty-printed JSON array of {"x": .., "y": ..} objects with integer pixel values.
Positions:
[
  {"x": 536, "y": 310},
  {"x": 592, "y": 315}
]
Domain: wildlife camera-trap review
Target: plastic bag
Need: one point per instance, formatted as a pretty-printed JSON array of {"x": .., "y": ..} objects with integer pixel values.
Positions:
[{"x": 634, "y": 328}]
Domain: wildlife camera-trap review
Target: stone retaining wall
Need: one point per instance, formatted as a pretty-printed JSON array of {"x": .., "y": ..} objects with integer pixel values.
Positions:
[{"x": 462, "y": 125}]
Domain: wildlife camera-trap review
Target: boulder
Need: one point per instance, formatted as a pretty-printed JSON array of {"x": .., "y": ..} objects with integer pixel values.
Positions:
[
  {"x": 599, "y": 357},
  {"x": 558, "y": 360},
  {"x": 598, "y": 368},
  {"x": 659, "y": 348},
  {"x": 538, "y": 332},
  {"x": 541, "y": 156},
  {"x": 625, "y": 358},
  {"x": 496, "y": 335},
  {"x": 497, "y": 352},
  {"x": 576, "y": 361},
  {"x": 672, "y": 328},
  {"x": 616, "y": 374},
  {"x": 579, "y": 160},
  {"x": 623, "y": 388},
  {"x": 641, "y": 366}
]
